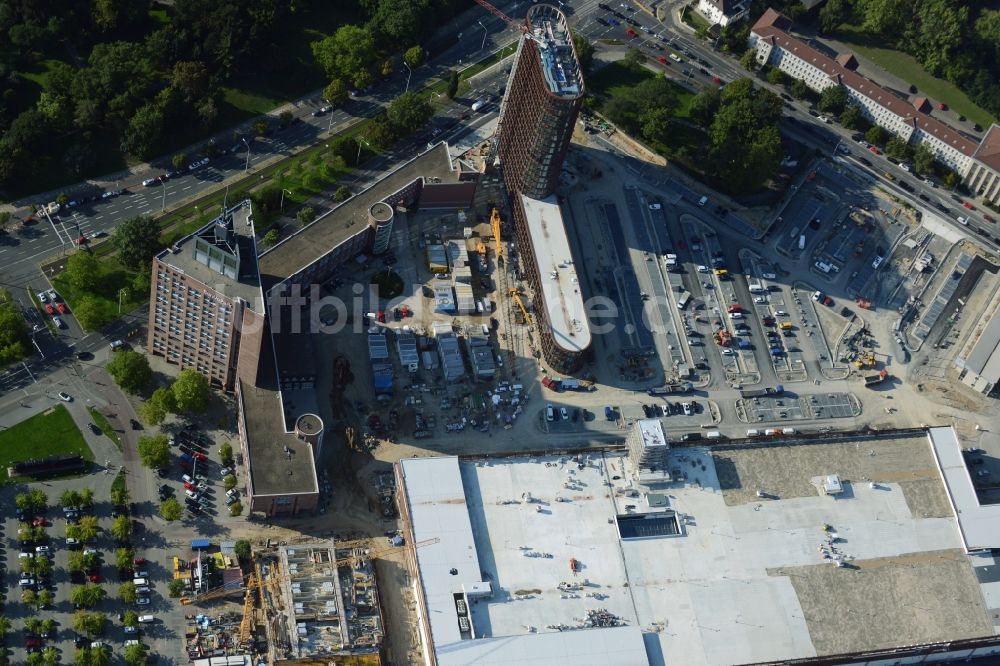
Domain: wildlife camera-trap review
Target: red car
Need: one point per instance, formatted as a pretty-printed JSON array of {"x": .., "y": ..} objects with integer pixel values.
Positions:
[
  {"x": 140, "y": 560},
  {"x": 62, "y": 307},
  {"x": 49, "y": 308},
  {"x": 201, "y": 457},
  {"x": 735, "y": 307},
  {"x": 39, "y": 522},
  {"x": 875, "y": 150},
  {"x": 630, "y": 33},
  {"x": 942, "y": 106},
  {"x": 988, "y": 218},
  {"x": 827, "y": 301},
  {"x": 33, "y": 642},
  {"x": 381, "y": 316},
  {"x": 968, "y": 205},
  {"x": 94, "y": 578},
  {"x": 716, "y": 80},
  {"x": 188, "y": 486},
  {"x": 663, "y": 60}
]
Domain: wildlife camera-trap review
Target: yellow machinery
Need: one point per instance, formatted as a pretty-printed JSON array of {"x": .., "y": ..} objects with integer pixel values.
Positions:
[
  {"x": 866, "y": 360},
  {"x": 495, "y": 224},
  {"x": 520, "y": 304}
]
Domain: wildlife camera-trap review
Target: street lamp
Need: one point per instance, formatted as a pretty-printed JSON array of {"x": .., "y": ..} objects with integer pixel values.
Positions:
[
  {"x": 122, "y": 293},
  {"x": 486, "y": 33},
  {"x": 247, "y": 167},
  {"x": 357, "y": 160},
  {"x": 282, "y": 206},
  {"x": 410, "y": 73}
]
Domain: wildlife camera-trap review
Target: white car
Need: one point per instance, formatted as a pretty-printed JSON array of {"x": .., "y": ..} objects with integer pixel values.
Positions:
[
  {"x": 57, "y": 320},
  {"x": 564, "y": 413},
  {"x": 550, "y": 413},
  {"x": 727, "y": 351},
  {"x": 143, "y": 601},
  {"x": 53, "y": 296},
  {"x": 43, "y": 297},
  {"x": 904, "y": 166},
  {"x": 65, "y": 397},
  {"x": 149, "y": 182}
]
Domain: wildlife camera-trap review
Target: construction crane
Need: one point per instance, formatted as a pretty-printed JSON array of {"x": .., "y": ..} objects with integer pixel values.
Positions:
[
  {"x": 520, "y": 304},
  {"x": 495, "y": 224}
]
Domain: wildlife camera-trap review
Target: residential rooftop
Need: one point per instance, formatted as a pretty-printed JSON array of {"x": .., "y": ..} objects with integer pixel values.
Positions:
[
  {"x": 343, "y": 222},
  {"x": 772, "y": 28},
  {"x": 222, "y": 255},
  {"x": 531, "y": 545},
  {"x": 561, "y": 296}
]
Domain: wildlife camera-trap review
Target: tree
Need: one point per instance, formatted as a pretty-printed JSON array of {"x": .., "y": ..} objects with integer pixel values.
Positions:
[
  {"x": 135, "y": 654},
  {"x": 226, "y": 453},
  {"x": 176, "y": 587},
  {"x": 343, "y": 193},
  {"x": 28, "y": 597},
  {"x": 306, "y": 215},
  {"x": 39, "y": 501},
  {"x": 76, "y": 561},
  {"x": 409, "y": 111},
  {"x": 171, "y": 509},
  {"x": 799, "y": 89},
  {"x": 452, "y": 84},
  {"x": 124, "y": 558},
  {"x": 950, "y": 179},
  {"x": 179, "y": 161},
  {"x": 242, "y": 549},
  {"x": 414, "y": 56},
  {"x": 87, "y": 596},
  {"x": 897, "y": 148},
  {"x": 851, "y": 117},
  {"x": 50, "y": 656},
  {"x": 86, "y": 498},
  {"x": 875, "y": 135},
  {"x": 191, "y": 391},
  {"x": 136, "y": 240},
  {"x": 121, "y": 528},
  {"x": 335, "y": 92},
  {"x": 87, "y": 528},
  {"x": 82, "y": 657},
  {"x": 261, "y": 126},
  {"x": 833, "y": 13},
  {"x": 235, "y": 509},
  {"x": 154, "y": 451},
  {"x": 270, "y": 239},
  {"x": 35, "y": 659},
  {"x": 83, "y": 270},
  {"x": 386, "y": 67},
  {"x": 41, "y": 566},
  {"x": 48, "y": 626},
  {"x": 885, "y": 17},
  {"x": 93, "y": 312},
  {"x": 749, "y": 60},
  {"x": 130, "y": 619},
  {"x": 584, "y": 52},
  {"x": 833, "y": 99},
  {"x": 155, "y": 410},
  {"x": 100, "y": 656},
  {"x": 923, "y": 159},
  {"x": 4, "y": 626},
  {"x": 119, "y": 491},
  {"x": 33, "y": 625},
  {"x": 130, "y": 370},
  {"x": 345, "y": 53},
  {"x": 45, "y": 599},
  {"x": 229, "y": 482},
  {"x": 142, "y": 135},
  {"x": 127, "y": 593},
  {"x": 776, "y": 77},
  {"x": 70, "y": 498}
]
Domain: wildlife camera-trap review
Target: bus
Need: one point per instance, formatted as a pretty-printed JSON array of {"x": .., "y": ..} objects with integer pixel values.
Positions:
[{"x": 683, "y": 300}]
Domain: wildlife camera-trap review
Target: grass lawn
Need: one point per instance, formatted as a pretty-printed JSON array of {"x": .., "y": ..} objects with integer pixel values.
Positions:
[
  {"x": 907, "y": 68},
  {"x": 50, "y": 433},
  {"x": 101, "y": 422},
  {"x": 694, "y": 19},
  {"x": 616, "y": 78}
]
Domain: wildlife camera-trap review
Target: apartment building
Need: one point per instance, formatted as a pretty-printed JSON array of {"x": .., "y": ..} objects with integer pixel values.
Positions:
[{"x": 910, "y": 120}]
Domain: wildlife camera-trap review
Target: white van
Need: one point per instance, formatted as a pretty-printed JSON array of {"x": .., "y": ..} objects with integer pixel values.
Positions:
[
  {"x": 479, "y": 103},
  {"x": 753, "y": 433},
  {"x": 702, "y": 201},
  {"x": 486, "y": 330},
  {"x": 736, "y": 315},
  {"x": 713, "y": 434},
  {"x": 139, "y": 581},
  {"x": 788, "y": 431},
  {"x": 146, "y": 619},
  {"x": 550, "y": 413}
]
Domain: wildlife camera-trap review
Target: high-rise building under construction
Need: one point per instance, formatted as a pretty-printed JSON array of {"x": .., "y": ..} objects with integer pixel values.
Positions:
[{"x": 539, "y": 110}]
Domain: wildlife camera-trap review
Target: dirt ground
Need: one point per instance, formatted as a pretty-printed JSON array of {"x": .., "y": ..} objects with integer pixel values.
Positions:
[
  {"x": 886, "y": 602},
  {"x": 785, "y": 471}
]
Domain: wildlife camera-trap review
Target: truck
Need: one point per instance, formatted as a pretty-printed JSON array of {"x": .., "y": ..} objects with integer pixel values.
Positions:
[
  {"x": 684, "y": 299},
  {"x": 570, "y": 384},
  {"x": 667, "y": 389},
  {"x": 552, "y": 384},
  {"x": 756, "y": 287},
  {"x": 873, "y": 380},
  {"x": 762, "y": 392},
  {"x": 670, "y": 261}
]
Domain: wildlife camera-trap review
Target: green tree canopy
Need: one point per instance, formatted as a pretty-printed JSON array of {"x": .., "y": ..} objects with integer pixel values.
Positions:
[
  {"x": 799, "y": 89},
  {"x": 130, "y": 370},
  {"x": 833, "y": 99},
  {"x": 127, "y": 593},
  {"x": 850, "y": 118},
  {"x": 154, "y": 410},
  {"x": 88, "y": 595},
  {"x": 171, "y": 509},
  {"x": 584, "y": 52},
  {"x": 176, "y": 587},
  {"x": 923, "y": 159},
  {"x": 121, "y": 528},
  {"x": 136, "y": 240},
  {"x": 242, "y": 549},
  {"x": 875, "y": 135},
  {"x": 414, "y": 56},
  {"x": 154, "y": 451},
  {"x": 83, "y": 270},
  {"x": 409, "y": 111},
  {"x": 135, "y": 654},
  {"x": 142, "y": 135},
  {"x": 336, "y": 92},
  {"x": 191, "y": 391},
  {"x": 350, "y": 50}
]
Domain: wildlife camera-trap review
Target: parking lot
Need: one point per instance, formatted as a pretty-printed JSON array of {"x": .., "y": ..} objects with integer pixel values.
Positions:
[{"x": 791, "y": 408}]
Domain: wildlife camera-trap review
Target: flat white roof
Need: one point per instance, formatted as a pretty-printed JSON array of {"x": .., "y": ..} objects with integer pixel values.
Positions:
[
  {"x": 978, "y": 524},
  {"x": 563, "y": 301},
  {"x": 651, "y": 431},
  {"x": 725, "y": 591}
]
